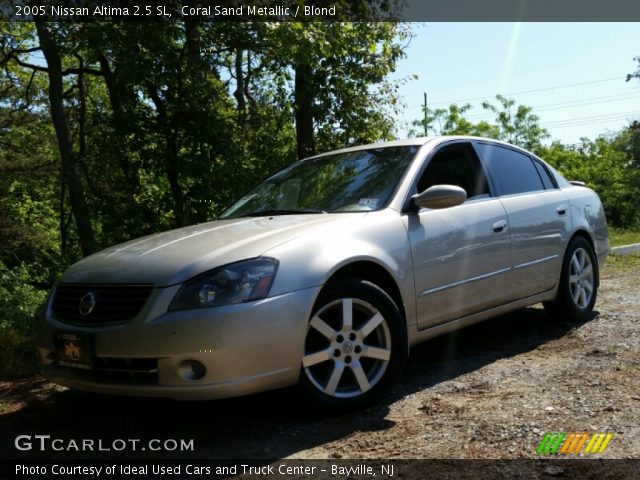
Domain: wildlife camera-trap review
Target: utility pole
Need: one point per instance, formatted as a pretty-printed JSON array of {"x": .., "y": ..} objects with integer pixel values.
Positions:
[{"x": 426, "y": 121}]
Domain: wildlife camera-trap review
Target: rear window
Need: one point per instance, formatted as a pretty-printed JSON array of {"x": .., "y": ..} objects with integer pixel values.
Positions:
[
  {"x": 512, "y": 172},
  {"x": 544, "y": 175}
]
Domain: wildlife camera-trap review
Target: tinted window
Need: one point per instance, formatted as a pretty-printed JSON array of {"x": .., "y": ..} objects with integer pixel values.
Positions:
[
  {"x": 455, "y": 165},
  {"x": 512, "y": 172},
  {"x": 544, "y": 175}
]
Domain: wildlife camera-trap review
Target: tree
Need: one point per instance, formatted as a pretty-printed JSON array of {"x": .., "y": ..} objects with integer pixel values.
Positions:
[
  {"x": 628, "y": 141},
  {"x": 636, "y": 74},
  {"x": 513, "y": 124},
  {"x": 70, "y": 166},
  {"x": 517, "y": 124},
  {"x": 160, "y": 127},
  {"x": 451, "y": 121},
  {"x": 604, "y": 168},
  {"x": 14, "y": 52},
  {"x": 340, "y": 95}
]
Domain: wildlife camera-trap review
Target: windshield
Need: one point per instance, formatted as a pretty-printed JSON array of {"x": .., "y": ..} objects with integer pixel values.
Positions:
[{"x": 359, "y": 181}]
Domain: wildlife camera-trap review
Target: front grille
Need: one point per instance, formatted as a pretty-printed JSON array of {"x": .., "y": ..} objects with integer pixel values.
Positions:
[{"x": 111, "y": 303}]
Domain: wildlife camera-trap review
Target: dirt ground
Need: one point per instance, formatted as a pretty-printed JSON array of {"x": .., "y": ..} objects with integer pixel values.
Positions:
[{"x": 489, "y": 391}]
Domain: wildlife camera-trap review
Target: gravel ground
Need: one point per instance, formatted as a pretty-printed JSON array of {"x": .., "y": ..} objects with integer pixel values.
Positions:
[{"x": 489, "y": 391}]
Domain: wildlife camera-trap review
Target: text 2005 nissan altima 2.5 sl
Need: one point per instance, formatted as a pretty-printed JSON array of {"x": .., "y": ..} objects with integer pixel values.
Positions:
[{"x": 325, "y": 274}]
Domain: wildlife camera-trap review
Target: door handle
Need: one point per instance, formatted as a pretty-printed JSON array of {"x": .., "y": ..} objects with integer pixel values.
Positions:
[
  {"x": 562, "y": 209},
  {"x": 499, "y": 226}
]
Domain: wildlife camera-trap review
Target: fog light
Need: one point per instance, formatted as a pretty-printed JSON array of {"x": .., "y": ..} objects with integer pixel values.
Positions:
[{"x": 192, "y": 369}]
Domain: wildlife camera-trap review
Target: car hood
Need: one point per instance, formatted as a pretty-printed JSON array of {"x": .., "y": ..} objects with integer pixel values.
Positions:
[{"x": 172, "y": 257}]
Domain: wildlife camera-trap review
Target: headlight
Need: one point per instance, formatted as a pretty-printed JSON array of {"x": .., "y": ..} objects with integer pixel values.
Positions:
[{"x": 234, "y": 283}]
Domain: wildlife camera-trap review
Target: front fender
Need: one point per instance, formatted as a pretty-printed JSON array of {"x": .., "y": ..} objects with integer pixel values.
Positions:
[{"x": 381, "y": 238}]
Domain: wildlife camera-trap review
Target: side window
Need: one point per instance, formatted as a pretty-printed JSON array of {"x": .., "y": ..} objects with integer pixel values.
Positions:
[
  {"x": 544, "y": 175},
  {"x": 512, "y": 172},
  {"x": 455, "y": 165}
]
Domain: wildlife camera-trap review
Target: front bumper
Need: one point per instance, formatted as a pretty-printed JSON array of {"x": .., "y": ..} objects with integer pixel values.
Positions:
[{"x": 245, "y": 348}]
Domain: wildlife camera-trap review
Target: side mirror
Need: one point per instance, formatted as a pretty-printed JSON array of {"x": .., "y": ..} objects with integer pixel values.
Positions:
[{"x": 440, "y": 196}]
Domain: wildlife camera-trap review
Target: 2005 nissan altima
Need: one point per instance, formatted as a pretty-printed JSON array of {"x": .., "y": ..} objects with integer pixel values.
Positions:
[{"x": 326, "y": 273}]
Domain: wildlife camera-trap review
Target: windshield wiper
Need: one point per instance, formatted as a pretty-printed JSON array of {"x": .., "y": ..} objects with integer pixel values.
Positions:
[{"x": 264, "y": 213}]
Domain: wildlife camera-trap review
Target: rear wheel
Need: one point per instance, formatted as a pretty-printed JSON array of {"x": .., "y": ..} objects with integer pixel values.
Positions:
[
  {"x": 355, "y": 346},
  {"x": 578, "y": 287}
]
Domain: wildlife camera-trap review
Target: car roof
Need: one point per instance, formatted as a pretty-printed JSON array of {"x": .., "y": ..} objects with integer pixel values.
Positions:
[{"x": 418, "y": 142}]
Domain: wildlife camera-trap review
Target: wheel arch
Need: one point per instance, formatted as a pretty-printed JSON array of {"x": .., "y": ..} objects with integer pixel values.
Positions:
[
  {"x": 587, "y": 236},
  {"x": 376, "y": 274}
]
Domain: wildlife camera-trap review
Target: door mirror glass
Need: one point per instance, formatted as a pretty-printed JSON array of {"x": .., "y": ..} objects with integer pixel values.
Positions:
[{"x": 440, "y": 196}]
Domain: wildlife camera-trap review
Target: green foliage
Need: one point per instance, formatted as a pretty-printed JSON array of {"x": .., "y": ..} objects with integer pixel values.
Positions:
[
  {"x": 619, "y": 237},
  {"x": 452, "y": 121},
  {"x": 19, "y": 299},
  {"x": 516, "y": 125},
  {"x": 30, "y": 261},
  {"x": 636, "y": 74},
  {"x": 628, "y": 141},
  {"x": 624, "y": 263},
  {"x": 170, "y": 123},
  {"x": 606, "y": 169}
]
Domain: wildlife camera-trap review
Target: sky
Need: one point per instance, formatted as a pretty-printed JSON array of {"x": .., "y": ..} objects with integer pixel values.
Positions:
[{"x": 572, "y": 74}]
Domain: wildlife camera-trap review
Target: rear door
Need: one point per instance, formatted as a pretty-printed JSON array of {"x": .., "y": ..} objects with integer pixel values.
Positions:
[{"x": 538, "y": 217}]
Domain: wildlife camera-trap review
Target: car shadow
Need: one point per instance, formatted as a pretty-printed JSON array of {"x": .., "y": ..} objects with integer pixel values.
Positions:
[
  {"x": 466, "y": 350},
  {"x": 266, "y": 426}
]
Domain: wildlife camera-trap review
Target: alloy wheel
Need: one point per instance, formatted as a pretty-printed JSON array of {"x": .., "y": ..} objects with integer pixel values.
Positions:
[
  {"x": 581, "y": 278},
  {"x": 347, "y": 349}
]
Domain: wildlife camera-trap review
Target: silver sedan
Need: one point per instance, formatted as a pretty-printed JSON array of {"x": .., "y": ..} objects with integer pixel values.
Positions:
[{"x": 326, "y": 274}]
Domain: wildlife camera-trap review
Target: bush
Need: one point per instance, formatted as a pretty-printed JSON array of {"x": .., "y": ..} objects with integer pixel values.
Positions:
[
  {"x": 17, "y": 356},
  {"x": 609, "y": 171},
  {"x": 19, "y": 300}
]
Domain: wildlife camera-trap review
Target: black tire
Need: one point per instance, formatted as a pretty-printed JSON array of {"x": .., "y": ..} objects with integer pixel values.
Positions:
[
  {"x": 347, "y": 352},
  {"x": 574, "y": 302}
]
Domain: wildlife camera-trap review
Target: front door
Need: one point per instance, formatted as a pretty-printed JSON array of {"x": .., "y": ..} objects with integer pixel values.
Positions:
[{"x": 461, "y": 255}]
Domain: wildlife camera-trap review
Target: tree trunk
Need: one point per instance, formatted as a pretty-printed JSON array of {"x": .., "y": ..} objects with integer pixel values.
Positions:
[
  {"x": 171, "y": 158},
  {"x": 171, "y": 168},
  {"x": 120, "y": 97},
  {"x": 240, "y": 89},
  {"x": 69, "y": 161},
  {"x": 303, "y": 92}
]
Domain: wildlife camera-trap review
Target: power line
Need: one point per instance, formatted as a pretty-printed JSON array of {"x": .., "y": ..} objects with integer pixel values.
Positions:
[
  {"x": 594, "y": 118},
  {"x": 529, "y": 70},
  {"x": 630, "y": 112},
  {"x": 585, "y": 102},
  {"x": 524, "y": 92},
  {"x": 592, "y": 122},
  {"x": 571, "y": 104}
]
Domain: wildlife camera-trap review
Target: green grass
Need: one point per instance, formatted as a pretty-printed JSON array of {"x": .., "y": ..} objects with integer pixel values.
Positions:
[
  {"x": 623, "y": 262},
  {"x": 618, "y": 237}
]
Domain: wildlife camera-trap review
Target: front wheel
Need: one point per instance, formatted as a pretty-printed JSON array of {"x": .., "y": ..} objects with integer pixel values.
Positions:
[
  {"x": 578, "y": 287},
  {"x": 355, "y": 347}
]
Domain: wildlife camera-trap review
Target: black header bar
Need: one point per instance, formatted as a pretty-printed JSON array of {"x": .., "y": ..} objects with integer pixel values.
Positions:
[{"x": 325, "y": 10}]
